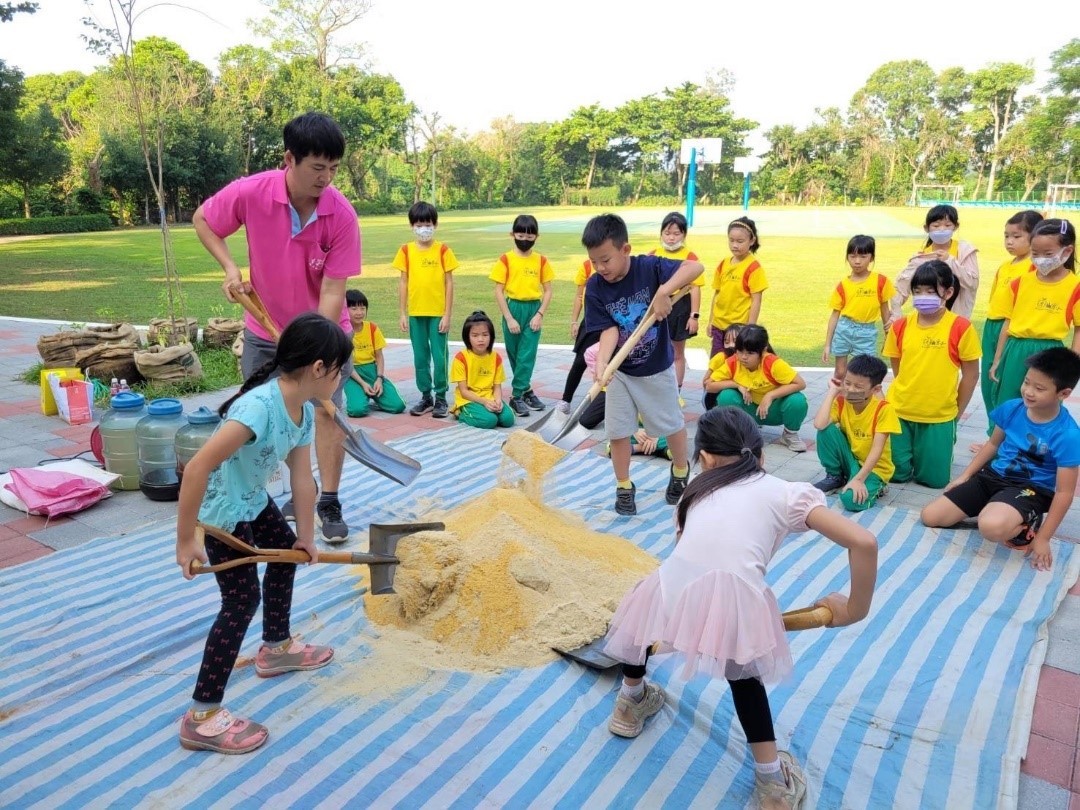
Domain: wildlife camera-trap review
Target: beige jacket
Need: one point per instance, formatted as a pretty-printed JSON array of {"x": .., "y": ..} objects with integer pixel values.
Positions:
[{"x": 965, "y": 267}]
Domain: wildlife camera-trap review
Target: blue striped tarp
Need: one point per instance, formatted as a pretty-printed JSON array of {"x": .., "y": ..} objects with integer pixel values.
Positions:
[{"x": 925, "y": 704}]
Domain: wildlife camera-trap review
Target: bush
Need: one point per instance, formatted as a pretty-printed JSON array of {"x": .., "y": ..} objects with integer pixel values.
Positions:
[
  {"x": 379, "y": 205},
  {"x": 42, "y": 225}
]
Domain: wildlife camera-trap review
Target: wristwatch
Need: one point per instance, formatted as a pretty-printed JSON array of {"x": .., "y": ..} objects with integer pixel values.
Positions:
[{"x": 694, "y": 315}]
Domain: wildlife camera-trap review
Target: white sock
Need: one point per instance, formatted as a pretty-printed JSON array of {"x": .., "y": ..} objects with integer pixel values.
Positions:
[
  {"x": 635, "y": 693},
  {"x": 770, "y": 771}
]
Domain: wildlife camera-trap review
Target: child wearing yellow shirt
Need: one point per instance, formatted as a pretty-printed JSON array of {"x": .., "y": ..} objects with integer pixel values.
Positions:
[
  {"x": 367, "y": 386},
  {"x": 478, "y": 376},
  {"x": 426, "y": 299},
  {"x": 523, "y": 291},
  {"x": 760, "y": 383},
  {"x": 854, "y": 425},
  {"x": 935, "y": 359},
  {"x": 1018, "y": 230},
  {"x": 856, "y": 302},
  {"x": 738, "y": 283},
  {"x": 1044, "y": 308},
  {"x": 683, "y": 320}
]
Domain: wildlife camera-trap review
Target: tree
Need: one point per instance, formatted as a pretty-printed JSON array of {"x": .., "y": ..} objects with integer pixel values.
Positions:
[
  {"x": 9, "y": 10},
  {"x": 36, "y": 154},
  {"x": 580, "y": 140},
  {"x": 310, "y": 28},
  {"x": 242, "y": 105},
  {"x": 994, "y": 91}
]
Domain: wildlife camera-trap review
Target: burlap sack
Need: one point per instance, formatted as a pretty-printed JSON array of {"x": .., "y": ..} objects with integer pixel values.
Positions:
[
  {"x": 159, "y": 333},
  {"x": 238, "y": 352},
  {"x": 107, "y": 360},
  {"x": 59, "y": 349},
  {"x": 222, "y": 331},
  {"x": 169, "y": 363}
]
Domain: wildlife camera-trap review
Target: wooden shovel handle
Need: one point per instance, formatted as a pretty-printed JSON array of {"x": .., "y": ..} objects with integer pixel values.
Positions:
[
  {"x": 253, "y": 305},
  {"x": 808, "y": 618}
]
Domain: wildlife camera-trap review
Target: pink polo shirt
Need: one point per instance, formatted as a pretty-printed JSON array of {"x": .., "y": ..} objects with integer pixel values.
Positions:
[{"x": 286, "y": 270}]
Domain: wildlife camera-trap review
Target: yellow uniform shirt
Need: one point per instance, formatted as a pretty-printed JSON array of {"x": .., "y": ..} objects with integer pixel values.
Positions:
[
  {"x": 925, "y": 389},
  {"x": 480, "y": 375},
  {"x": 367, "y": 340},
  {"x": 861, "y": 300},
  {"x": 859, "y": 429},
  {"x": 426, "y": 269},
  {"x": 581, "y": 275},
  {"x": 734, "y": 284},
  {"x": 523, "y": 277},
  {"x": 771, "y": 373},
  {"x": 1041, "y": 309},
  {"x": 1000, "y": 292},
  {"x": 681, "y": 255}
]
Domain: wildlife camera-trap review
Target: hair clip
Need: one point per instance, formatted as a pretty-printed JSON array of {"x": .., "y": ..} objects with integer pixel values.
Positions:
[{"x": 1064, "y": 226}]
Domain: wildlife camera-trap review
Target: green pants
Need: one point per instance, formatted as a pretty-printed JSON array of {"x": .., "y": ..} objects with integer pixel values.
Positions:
[
  {"x": 991, "y": 332},
  {"x": 430, "y": 354},
  {"x": 357, "y": 403},
  {"x": 834, "y": 453},
  {"x": 476, "y": 415},
  {"x": 789, "y": 411},
  {"x": 1011, "y": 370},
  {"x": 923, "y": 452},
  {"x": 521, "y": 348}
]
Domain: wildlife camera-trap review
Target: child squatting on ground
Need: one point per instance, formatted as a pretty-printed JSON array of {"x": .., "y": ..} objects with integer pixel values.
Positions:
[
  {"x": 1027, "y": 469},
  {"x": 368, "y": 387},
  {"x": 709, "y": 602},
  {"x": 855, "y": 426},
  {"x": 426, "y": 300},
  {"x": 267, "y": 422},
  {"x": 478, "y": 376},
  {"x": 617, "y": 298}
]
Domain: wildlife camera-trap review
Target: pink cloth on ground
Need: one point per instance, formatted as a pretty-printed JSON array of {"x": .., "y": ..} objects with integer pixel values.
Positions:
[{"x": 709, "y": 601}]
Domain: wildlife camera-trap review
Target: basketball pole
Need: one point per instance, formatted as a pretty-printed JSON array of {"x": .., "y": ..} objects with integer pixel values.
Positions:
[
  {"x": 691, "y": 188},
  {"x": 746, "y": 192}
]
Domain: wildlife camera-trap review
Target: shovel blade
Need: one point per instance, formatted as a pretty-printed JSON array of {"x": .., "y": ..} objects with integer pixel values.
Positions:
[
  {"x": 590, "y": 655},
  {"x": 377, "y": 456},
  {"x": 555, "y": 428},
  {"x": 383, "y": 541}
]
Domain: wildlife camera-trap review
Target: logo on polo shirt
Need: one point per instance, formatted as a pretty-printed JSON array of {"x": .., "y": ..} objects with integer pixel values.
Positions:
[{"x": 316, "y": 263}]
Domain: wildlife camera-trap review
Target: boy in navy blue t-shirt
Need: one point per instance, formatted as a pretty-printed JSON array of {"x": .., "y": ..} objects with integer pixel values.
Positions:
[
  {"x": 1029, "y": 466},
  {"x": 617, "y": 296}
]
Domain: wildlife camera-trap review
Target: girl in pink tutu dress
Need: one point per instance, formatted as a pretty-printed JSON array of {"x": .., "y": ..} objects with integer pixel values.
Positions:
[{"x": 709, "y": 602}]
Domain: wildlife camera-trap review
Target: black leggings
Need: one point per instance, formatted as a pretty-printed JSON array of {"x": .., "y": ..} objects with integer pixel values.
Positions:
[
  {"x": 240, "y": 596},
  {"x": 577, "y": 369},
  {"x": 751, "y": 704}
]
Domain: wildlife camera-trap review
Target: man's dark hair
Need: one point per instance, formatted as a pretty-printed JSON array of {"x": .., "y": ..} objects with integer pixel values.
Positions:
[{"x": 314, "y": 134}]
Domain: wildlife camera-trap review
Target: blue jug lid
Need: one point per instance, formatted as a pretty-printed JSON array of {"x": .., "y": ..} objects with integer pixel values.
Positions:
[
  {"x": 165, "y": 407},
  {"x": 203, "y": 416},
  {"x": 127, "y": 401}
]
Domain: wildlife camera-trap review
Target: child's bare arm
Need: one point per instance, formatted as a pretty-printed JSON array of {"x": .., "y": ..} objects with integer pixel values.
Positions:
[
  {"x": 1004, "y": 336},
  {"x": 1064, "y": 490},
  {"x": 755, "y": 308},
  {"x": 403, "y": 303},
  {"x": 862, "y": 557},
  {"x": 895, "y": 363},
  {"x": 823, "y": 417},
  {"x": 303, "y": 493},
  {"x": 982, "y": 458},
  {"x": 448, "y": 313},
  {"x": 829, "y": 332},
  {"x": 609, "y": 339},
  {"x": 969, "y": 378},
  {"x": 877, "y": 447}
]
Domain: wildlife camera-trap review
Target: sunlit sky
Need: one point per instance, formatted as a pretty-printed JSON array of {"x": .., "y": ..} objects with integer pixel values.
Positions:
[{"x": 476, "y": 60}]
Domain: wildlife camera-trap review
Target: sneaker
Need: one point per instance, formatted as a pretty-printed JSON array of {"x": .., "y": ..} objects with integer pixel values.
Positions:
[
  {"x": 288, "y": 511},
  {"x": 518, "y": 406},
  {"x": 662, "y": 452},
  {"x": 1028, "y": 532},
  {"x": 425, "y": 404},
  {"x": 221, "y": 732},
  {"x": 772, "y": 795},
  {"x": 625, "y": 504},
  {"x": 328, "y": 516},
  {"x": 791, "y": 440},
  {"x": 675, "y": 486},
  {"x": 440, "y": 409},
  {"x": 532, "y": 400},
  {"x": 563, "y": 407},
  {"x": 629, "y": 716},
  {"x": 830, "y": 483},
  {"x": 296, "y": 657}
]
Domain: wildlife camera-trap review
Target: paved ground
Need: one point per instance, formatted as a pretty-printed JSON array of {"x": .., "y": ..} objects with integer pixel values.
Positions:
[{"x": 1051, "y": 772}]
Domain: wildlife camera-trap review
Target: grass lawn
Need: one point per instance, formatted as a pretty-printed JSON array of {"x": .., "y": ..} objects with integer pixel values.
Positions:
[{"x": 118, "y": 276}]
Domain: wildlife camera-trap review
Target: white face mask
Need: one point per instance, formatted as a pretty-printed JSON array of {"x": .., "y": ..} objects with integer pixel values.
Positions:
[
  {"x": 671, "y": 247},
  {"x": 941, "y": 237},
  {"x": 424, "y": 233},
  {"x": 1045, "y": 265}
]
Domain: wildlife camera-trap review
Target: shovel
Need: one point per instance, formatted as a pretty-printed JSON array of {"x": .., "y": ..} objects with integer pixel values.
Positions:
[
  {"x": 564, "y": 431},
  {"x": 381, "y": 557},
  {"x": 381, "y": 458},
  {"x": 592, "y": 655}
]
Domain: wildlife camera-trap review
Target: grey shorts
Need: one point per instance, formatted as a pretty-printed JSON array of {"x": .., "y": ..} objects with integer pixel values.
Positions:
[
  {"x": 655, "y": 398},
  {"x": 260, "y": 351}
]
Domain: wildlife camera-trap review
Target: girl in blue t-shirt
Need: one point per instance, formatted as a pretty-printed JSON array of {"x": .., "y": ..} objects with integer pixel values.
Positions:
[{"x": 224, "y": 485}]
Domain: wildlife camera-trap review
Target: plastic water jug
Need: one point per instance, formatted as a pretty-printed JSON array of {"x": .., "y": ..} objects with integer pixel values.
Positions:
[
  {"x": 201, "y": 424},
  {"x": 155, "y": 436},
  {"x": 119, "y": 447}
]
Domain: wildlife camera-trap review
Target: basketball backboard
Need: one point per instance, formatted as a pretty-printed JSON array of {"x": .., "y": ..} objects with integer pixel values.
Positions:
[
  {"x": 709, "y": 150},
  {"x": 747, "y": 165}
]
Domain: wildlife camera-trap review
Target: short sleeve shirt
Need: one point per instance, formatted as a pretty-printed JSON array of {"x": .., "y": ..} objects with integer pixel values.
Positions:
[
  {"x": 425, "y": 270},
  {"x": 771, "y": 373},
  {"x": 236, "y": 490},
  {"x": 523, "y": 277},
  {"x": 859, "y": 429},
  {"x": 1033, "y": 451},
  {"x": 861, "y": 300},
  {"x": 480, "y": 375},
  {"x": 735, "y": 283},
  {"x": 581, "y": 275},
  {"x": 1001, "y": 293},
  {"x": 623, "y": 304},
  {"x": 681, "y": 255},
  {"x": 1043, "y": 309},
  {"x": 366, "y": 341},
  {"x": 286, "y": 270}
]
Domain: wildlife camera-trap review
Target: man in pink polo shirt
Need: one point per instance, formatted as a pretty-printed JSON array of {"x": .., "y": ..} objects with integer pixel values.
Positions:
[{"x": 303, "y": 243}]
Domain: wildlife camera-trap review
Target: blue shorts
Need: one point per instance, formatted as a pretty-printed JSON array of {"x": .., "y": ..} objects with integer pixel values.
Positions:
[{"x": 852, "y": 337}]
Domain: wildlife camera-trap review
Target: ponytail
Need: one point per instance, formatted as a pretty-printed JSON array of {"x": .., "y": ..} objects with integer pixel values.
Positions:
[
  {"x": 705, "y": 484},
  {"x": 258, "y": 377}
]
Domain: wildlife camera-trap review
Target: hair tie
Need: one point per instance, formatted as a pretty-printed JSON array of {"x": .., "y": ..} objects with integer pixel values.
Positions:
[
  {"x": 746, "y": 451},
  {"x": 1064, "y": 226}
]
